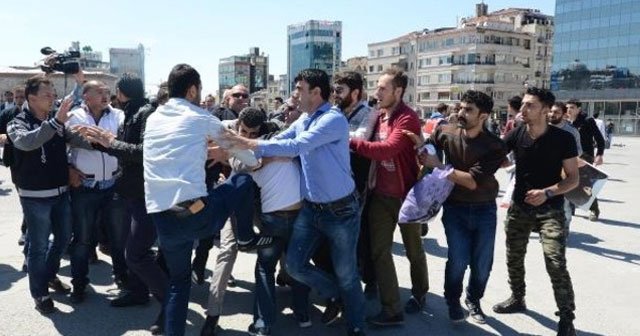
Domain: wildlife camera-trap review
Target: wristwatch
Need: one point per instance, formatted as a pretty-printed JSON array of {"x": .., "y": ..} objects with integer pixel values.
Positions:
[{"x": 548, "y": 193}]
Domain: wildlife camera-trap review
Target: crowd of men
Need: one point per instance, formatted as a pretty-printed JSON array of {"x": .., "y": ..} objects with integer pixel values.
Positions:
[{"x": 322, "y": 179}]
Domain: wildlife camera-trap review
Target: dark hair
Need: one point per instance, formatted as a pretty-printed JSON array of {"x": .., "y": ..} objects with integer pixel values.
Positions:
[
  {"x": 163, "y": 94},
  {"x": 32, "y": 85},
  {"x": 480, "y": 99},
  {"x": 279, "y": 99},
  {"x": 562, "y": 106},
  {"x": 545, "y": 96},
  {"x": 596, "y": 115},
  {"x": 442, "y": 108},
  {"x": 515, "y": 102},
  {"x": 351, "y": 79},
  {"x": 131, "y": 86},
  {"x": 181, "y": 78},
  {"x": 316, "y": 78},
  {"x": 399, "y": 80},
  {"x": 252, "y": 117},
  {"x": 575, "y": 102}
]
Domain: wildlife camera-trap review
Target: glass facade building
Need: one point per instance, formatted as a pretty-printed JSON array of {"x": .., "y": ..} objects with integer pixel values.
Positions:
[
  {"x": 250, "y": 70},
  {"x": 313, "y": 44},
  {"x": 596, "y": 58}
]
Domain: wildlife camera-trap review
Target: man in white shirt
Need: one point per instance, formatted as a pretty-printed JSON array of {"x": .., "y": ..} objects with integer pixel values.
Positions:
[{"x": 174, "y": 156}]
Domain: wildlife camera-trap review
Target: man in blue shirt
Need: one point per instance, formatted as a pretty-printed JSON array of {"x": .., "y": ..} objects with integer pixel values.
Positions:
[{"x": 331, "y": 208}]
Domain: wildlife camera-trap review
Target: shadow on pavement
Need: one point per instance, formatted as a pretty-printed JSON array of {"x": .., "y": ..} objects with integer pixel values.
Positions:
[
  {"x": 8, "y": 276},
  {"x": 610, "y": 201},
  {"x": 430, "y": 245},
  {"x": 589, "y": 243},
  {"x": 5, "y": 192},
  {"x": 614, "y": 222},
  {"x": 551, "y": 324}
]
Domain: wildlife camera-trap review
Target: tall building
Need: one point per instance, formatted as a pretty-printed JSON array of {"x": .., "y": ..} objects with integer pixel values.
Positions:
[
  {"x": 251, "y": 70},
  {"x": 313, "y": 44},
  {"x": 127, "y": 60},
  {"x": 494, "y": 52},
  {"x": 597, "y": 59}
]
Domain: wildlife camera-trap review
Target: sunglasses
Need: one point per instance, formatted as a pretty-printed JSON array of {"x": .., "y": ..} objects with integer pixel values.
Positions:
[{"x": 240, "y": 95}]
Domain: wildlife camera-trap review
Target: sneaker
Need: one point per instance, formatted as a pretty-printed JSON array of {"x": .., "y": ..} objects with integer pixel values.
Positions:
[
  {"x": 304, "y": 322},
  {"x": 566, "y": 328},
  {"x": 424, "y": 230},
  {"x": 510, "y": 306},
  {"x": 475, "y": 311},
  {"x": 157, "y": 328},
  {"x": 330, "y": 315},
  {"x": 356, "y": 332},
  {"x": 414, "y": 305},
  {"x": 121, "y": 282},
  {"x": 77, "y": 295},
  {"x": 129, "y": 299},
  {"x": 44, "y": 305},
  {"x": 210, "y": 325},
  {"x": 231, "y": 282},
  {"x": 385, "y": 320},
  {"x": 456, "y": 313},
  {"x": 58, "y": 286},
  {"x": 257, "y": 242},
  {"x": 594, "y": 215},
  {"x": 259, "y": 331}
]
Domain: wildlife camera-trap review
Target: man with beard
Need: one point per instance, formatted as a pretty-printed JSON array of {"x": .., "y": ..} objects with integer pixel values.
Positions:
[
  {"x": 396, "y": 172},
  {"x": 347, "y": 95},
  {"x": 469, "y": 213},
  {"x": 542, "y": 153},
  {"x": 558, "y": 118}
]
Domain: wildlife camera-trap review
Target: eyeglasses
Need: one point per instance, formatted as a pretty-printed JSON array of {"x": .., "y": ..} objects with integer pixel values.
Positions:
[
  {"x": 338, "y": 89},
  {"x": 240, "y": 95}
]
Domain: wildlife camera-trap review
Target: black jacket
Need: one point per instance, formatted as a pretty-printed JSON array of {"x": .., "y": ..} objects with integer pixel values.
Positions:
[
  {"x": 589, "y": 133},
  {"x": 128, "y": 149},
  {"x": 6, "y": 116}
]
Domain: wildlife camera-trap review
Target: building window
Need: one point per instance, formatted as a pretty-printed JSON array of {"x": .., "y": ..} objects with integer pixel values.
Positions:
[
  {"x": 371, "y": 68},
  {"x": 443, "y": 95},
  {"x": 379, "y": 68},
  {"x": 372, "y": 84},
  {"x": 380, "y": 52},
  {"x": 424, "y": 96},
  {"x": 372, "y": 53}
]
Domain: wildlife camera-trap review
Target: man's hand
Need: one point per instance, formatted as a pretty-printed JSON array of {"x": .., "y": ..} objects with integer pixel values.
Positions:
[
  {"x": 75, "y": 177},
  {"x": 95, "y": 134},
  {"x": 216, "y": 153},
  {"x": 535, "y": 197},
  {"x": 63, "y": 112},
  {"x": 3, "y": 139},
  {"x": 597, "y": 160},
  {"x": 239, "y": 142},
  {"x": 79, "y": 76},
  {"x": 430, "y": 161},
  {"x": 417, "y": 140}
]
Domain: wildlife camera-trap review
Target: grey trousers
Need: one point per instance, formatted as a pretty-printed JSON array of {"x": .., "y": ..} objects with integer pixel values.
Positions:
[{"x": 226, "y": 258}]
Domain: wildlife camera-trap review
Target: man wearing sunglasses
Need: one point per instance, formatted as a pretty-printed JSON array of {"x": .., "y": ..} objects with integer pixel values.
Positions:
[{"x": 234, "y": 102}]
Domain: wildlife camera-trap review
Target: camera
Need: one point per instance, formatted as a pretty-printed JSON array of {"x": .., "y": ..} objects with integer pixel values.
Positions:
[{"x": 67, "y": 62}]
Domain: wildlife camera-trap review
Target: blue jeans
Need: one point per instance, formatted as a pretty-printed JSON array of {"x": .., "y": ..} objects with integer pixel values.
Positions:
[
  {"x": 471, "y": 232},
  {"x": 176, "y": 236},
  {"x": 277, "y": 224},
  {"x": 45, "y": 216},
  {"x": 340, "y": 226},
  {"x": 86, "y": 206}
]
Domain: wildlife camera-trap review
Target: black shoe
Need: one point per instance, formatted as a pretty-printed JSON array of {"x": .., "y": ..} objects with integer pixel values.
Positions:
[
  {"x": 59, "y": 287},
  {"x": 231, "y": 282},
  {"x": 385, "y": 320},
  {"x": 283, "y": 279},
  {"x": 510, "y": 306},
  {"x": 121, "y": 282},
  {"x": 258, "y": 242},
  {"x": 210, "y": 325},
  {"x": 371, "y": 290},
  {"x": 330, "y": 315},
  {"x": 456, "y": 313},
  {"x": 197, "y": 277},
  {"x": 22, "y": 239},
  {"x": 45, "y": 305},
  {"x": 355, "y": 332},
  {"x": 129, "y": 299},
  {"x": 104, "y": 249},
  {"x": 77, "y": 295},
  {"x": 157, "y": 328},
  {"x": 566, "y": 328},
  {"x": 475, "y": 311},
  {"x": 304, "y": 321},
  {"x": 259, "y": 331},
  {"x": 414, "y": 305}
]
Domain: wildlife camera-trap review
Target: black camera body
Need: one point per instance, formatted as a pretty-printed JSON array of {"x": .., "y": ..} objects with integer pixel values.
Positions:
[{"x": 67, "y": 62}]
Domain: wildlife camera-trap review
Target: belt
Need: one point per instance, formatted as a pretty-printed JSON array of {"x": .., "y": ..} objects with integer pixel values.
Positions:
[
  {"x": 100, "y": 185},
  {"x": 188, "y": 208},
  {"x": 43, "y": 193},
  {"x": 334, "y": 204}
]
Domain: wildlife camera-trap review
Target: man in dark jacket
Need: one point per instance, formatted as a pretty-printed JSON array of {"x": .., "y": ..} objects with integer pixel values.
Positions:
[
  {"x": 589, "y": 134},
  {"x": 146, "y": 274}
]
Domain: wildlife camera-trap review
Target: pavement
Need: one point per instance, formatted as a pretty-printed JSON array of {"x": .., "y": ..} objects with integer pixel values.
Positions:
[{"x": 603, "y": 260}]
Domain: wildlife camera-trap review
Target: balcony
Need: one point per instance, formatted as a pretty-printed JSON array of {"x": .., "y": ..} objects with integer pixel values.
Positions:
[
  {"x": 489, "y": 81},
  {"x": 475, "y": 63}
]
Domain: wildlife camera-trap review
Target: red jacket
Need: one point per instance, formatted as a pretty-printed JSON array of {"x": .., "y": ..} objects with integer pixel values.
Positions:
[{"x": 397, "y": 168}]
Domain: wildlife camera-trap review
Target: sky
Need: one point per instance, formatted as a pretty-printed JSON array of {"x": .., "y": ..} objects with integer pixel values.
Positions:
[{"x": 200, "y": 32}]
